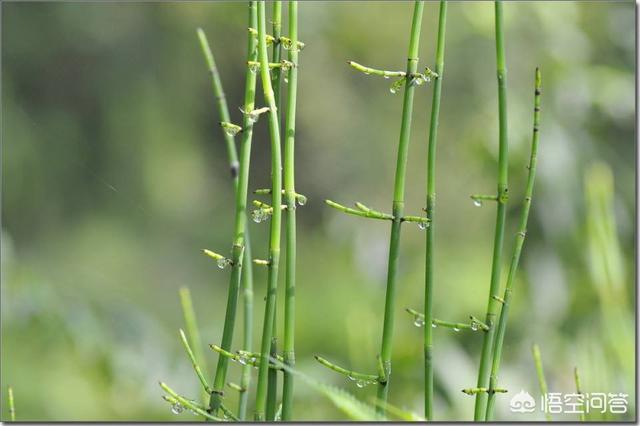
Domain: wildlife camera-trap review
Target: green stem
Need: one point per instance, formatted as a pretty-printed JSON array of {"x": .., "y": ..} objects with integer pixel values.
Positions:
[
  {"x": 12, "y": 407},
  {"x": 290, "y": 198},
  {"x": 276, "y": 18},
  {"x": 537, "y": 359},
  {"x": 239, "y": 254},
  {"x": 517, "y": 250},
  {"x": 194, "y": 362},
  {"x": 503, "y": 163},
  {"x": 274, "y": 234},
  {"x": 431, "y": 205},
  {"x": 353, "y": 375},
  {"x": 194, "y": 335},
  {"x": 398, "y": 203},
  {"x": 221, "y": 102},
  {"x": 188, "y": 403},
  {"x": 576, "y": 376}
]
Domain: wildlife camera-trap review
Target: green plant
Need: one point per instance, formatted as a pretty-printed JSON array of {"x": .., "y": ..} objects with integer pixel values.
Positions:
[
  {"x": 537, "y": 359},
  {"x": 517, "y": 250},
  {"x": 290, "y": 199},
  {"x": 431, "y": 207},
  {"x": 501, "y": 199},
  {"x": 12, "y": 407},
  {"x": 576, "y": 378},
  {"x": 193, "y": 335},
  {"x": 240, "y": 249},
  {"x": 276, "y": 214},
  {"x": 409, "y": 79}
]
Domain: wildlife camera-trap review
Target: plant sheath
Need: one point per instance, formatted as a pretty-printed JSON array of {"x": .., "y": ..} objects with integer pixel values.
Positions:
[
  {"x": 503, "y": 163},
  {"x": 398, "y": 202},
  {"x": 517, "y": 250},
  {"x": 431, "y": 207},
  {"x": 290, "y": 213},
  {"x": 240, "y": 248},
  {"x": 274, "y": 232}
]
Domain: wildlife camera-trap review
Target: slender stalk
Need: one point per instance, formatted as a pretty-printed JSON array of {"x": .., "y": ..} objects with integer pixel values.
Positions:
[
  {"x": 12, "y": 407},
  {"x": 517, "y": 250},
  {"x": 276, "y": 200},
  {"x": 290, "y": 198},
  {"x": 276, "y": 21},
  {"x": 193, "y": 334},
  {"x": 221, "y": 102},
  {"x": 431, "y": 207},
  {"x": 503, "y": 163},
  {"x": 184, "y": 402},
  {"x": 576, "y": 377},
  {"x": 537, "y": 359},
  {"x": 239, "y": 252},
  {"x": 194, "y": 362},
  {"x": 398, "y": 203}
]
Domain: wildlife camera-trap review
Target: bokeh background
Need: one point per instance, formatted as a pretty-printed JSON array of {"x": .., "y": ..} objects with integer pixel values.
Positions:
[{"x": 114, "y": 176}]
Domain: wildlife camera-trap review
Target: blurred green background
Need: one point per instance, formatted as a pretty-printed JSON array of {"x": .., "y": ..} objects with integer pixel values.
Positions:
[{"x": 114, "y": 176}]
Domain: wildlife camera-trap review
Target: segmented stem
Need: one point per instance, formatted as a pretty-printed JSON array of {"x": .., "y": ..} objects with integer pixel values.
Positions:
[
  {"x": 431, "y": 207},
  {"x": 517, "y": 250},
  {"x": 274, "y": 234},
  {"x": 290, "y": 198},
  {"x": 240, "y": 249},
  {"x": 503, "y": 164},
  {"x": 398, "y": 204}
]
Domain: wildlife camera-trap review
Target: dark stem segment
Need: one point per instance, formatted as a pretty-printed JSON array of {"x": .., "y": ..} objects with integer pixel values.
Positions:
[
  {"x": 274, "y": 232},
  {"x": 238, "y": 254},
  {"x": 276, "y": 20},
  {"x": 398, "y": 203},
  {"x": 431, "y": 206},
  {"x": 517, "y": 250},
  {"x": 290, "y": 212},
  {"x": 503, "y": 163}
]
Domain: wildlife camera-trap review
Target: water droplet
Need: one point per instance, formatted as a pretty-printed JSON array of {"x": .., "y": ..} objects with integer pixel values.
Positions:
[
  {"x": 361, "y": 383},
  {"x": 456, "y": 329},
  {"x": 258, "y": 215},
  {"x": 474, "y": 325},
  {"x": 286, "y": 79},
  {"x": 418, "y": 81},
  {"x": 231, "y": 129},
  {"x": 386, "y": 77},
  {"x": 350, "y": 377},
  {"x": 254, "y": 67},
  {"x": 418, "y": 321},
  {"x": 177, "y": 408},
  {"x": 477, "y": 203},
  {"x": 422, "y": 226},
  {"x": 396, "y": 86},
  {"x": 434, "y": 325},
  {"x": 222, "y": 263},
  {"x": 243, "y": 360},
  {"x": 302, "y": 200}
]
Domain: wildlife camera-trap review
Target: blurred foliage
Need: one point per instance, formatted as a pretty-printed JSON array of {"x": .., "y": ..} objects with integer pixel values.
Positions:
[{"x": 114, "y": 176}]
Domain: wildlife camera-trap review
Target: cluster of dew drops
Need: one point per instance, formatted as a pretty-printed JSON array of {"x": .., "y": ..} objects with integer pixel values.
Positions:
[{"x": 361, "y": 383}]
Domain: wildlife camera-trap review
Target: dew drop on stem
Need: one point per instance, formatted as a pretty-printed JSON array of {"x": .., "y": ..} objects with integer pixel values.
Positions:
[
  {"x": 222, "y": 263},
  {"x": 456, "y": 329},
  {"x": 177, "y": 408},
  {"x": 477, "y": 203},
  {"x": 418, "y": 321},
  {"x": 361, "y": 383}
]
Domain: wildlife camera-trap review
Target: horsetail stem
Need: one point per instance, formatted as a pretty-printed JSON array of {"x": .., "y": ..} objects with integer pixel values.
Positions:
[
  {"x": 276, "y": 21},
  {"x": 290, "y": 199},
  {"x": 576, "y": 377},
  {"x": 431, "y": 204},
  {"x": 352, "y": 375},
  {"x": 398, "y": 203},
  {"x": 12, "y": 407},
  {"x": 194, "y": 362},
  {"x": 501, "y": 196},
  {"x": 221, "y": 101},
  {"x": 537, "y": 359},
  {"x": 274, "y": 234},
  {"x": 240, "y": 248},
  {"x": 520, "y": 237},
  {"x": 184, "y": 402},
  {"x": 193, "y": 334}
]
